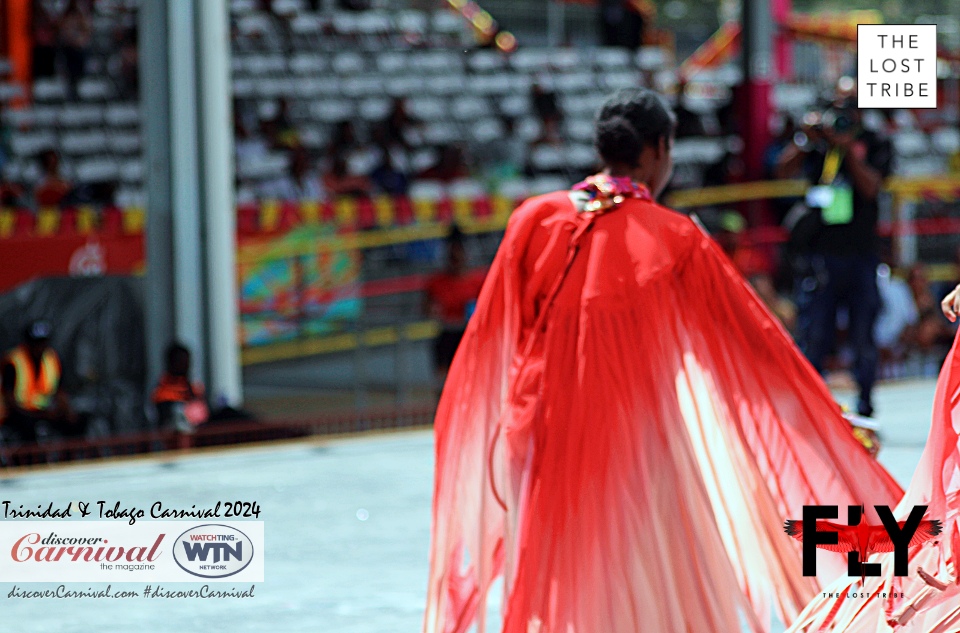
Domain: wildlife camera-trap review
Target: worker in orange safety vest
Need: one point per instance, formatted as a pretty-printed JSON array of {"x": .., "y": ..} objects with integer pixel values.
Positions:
[
  {"x": 30, "y": 385},
  {"x": 180, "y": 403}
]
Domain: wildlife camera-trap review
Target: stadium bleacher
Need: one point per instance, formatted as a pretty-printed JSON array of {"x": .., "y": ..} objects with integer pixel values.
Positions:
[{"x": 329, "y": 67}]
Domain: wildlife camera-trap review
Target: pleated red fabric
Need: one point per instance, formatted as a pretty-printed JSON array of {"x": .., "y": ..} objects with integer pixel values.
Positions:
[
  {"x": 927, "y": 600},
  {"x": 622, "y": 433}
]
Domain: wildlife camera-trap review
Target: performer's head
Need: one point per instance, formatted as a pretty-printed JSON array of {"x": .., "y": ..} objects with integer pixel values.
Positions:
[
  {"x": 178, "y": 360},
  {"x": 634, "y": 137}
]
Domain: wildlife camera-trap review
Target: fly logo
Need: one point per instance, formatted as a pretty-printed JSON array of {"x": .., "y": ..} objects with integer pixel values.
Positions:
[
  {"x": 213, "y": 551},
  {"x": 858, "y": 539}
]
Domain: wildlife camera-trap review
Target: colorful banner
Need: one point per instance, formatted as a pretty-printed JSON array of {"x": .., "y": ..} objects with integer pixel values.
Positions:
[{"x": 284, "y": 297}]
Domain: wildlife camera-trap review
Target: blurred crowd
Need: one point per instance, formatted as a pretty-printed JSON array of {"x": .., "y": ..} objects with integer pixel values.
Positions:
[
  {"x": 64, "y": 41},
  {"x": 383, "y": 157},
  {"x": 832, "y": 284}
]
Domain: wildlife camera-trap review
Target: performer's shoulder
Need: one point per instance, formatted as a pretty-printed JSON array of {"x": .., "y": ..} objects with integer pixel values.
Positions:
[
  {"x": 667, "y": 217},
  {"x": 546, "y": 203},
  {"x": 536, "y": 208}
]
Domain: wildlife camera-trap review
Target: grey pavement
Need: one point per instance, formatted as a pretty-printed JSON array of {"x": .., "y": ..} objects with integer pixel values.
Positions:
[{"x": 347, "y": 528}]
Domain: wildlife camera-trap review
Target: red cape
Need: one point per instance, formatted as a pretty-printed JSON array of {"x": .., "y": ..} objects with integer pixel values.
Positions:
[{"x": 623, "y": 431}]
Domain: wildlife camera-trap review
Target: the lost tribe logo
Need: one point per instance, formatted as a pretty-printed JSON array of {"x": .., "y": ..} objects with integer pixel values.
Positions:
[
  {"x": 213, "y": 551},
  {"x": 858, "y": 539}
]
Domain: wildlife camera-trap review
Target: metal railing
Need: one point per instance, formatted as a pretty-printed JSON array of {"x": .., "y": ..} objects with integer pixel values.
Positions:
[{"x": 213, "y": 434}]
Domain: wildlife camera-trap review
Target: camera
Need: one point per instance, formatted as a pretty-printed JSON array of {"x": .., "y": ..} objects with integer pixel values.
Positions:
[{"x": 841, "y": 118}]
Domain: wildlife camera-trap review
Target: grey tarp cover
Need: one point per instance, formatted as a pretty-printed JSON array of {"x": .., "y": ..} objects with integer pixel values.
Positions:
[{"x": 98, "y": 333}]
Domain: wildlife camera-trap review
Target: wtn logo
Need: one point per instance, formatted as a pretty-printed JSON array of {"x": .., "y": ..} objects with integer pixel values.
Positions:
[
  {"x": 858, "y": 539},
  {"x": 213, "y": 551},
  {"x": 220, "y": 550}
]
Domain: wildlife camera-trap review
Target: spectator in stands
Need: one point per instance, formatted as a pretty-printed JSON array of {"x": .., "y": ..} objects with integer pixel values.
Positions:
[
  {"x": 52, "y": 188},
  {"x": 32, "y": 397},
  {"x": 689, "y": 122},
  {"x": 245, "y": 115},
  {"x": 393, "y": 131},
  {"x": 285, "y": 133},
  {"x": 782, "y": 307},
  {"x": 549, "y": 134},
  {"x": 785, "y": 128},
  {"x": 784, "y": 131},
  {"x": 545, "y": 105},
  {"x": 76, "y": 33},
  {"x": 943, "y": 287},
  {"x": 301, "y": 183},
  {"x": 11, "y": 195},
  {"x": 920, "y": 288},
  {"x": 729, "y": 235},
  {"x": 449, "y": 298},
  {"x": 505, "y": 157},
  {"x": 387, "y": 177},
  {"x": 898, "y": 316},
  {"x": 180, "y": 404},
  {"x": 625, "y": 22},
  {"x": 124, "y": 67},
  {"x": 354, "y": 5},
  {"x": 44, "y": 58},
  {"x": 250, "y": 148},
  {"x": 343, "y": 140},
  {"x": 729, "y": 169},
  {"x": 836, "y": 239},
  {"x": 727, "y": 118},
  {"x": 546, "y": 151},
  {"x": 271, "y": 134},
  {"x": 340, "y": 182},
  {"x": 451, "y": 165},
  {"x": 932, "y": 330}
]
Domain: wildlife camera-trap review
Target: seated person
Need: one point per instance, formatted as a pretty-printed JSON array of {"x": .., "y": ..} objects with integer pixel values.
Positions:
[
  {"x": 53, "y": 187},
  {"x": 450, "y": 297},
  {"x": 179, "y": 402},
  {"x": 30, "y": 379}
]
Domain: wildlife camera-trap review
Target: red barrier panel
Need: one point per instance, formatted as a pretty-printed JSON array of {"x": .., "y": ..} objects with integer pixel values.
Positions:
[
  {"x": 109, "y": 241},
  {"x": 26, "y": 258}
]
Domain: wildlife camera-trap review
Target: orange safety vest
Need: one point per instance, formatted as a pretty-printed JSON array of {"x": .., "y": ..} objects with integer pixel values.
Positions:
[
  {"x": 174, "y": 389},
  {"x": 33, "y": 392},
  {"x": 177, "y": 389}
]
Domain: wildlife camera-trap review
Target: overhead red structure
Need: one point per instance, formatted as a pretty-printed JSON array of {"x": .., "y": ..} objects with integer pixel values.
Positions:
[
  {"x": 836, "y": 28},
  {"x": 18, "y": 46},
  {"x": 719, "y": 49}
]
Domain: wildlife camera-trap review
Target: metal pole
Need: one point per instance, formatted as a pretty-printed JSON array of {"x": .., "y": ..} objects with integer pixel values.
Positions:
[
  {"x": 155, "y": 116},
  {"x": 217, "y": 170},
  {"x": 185, "y": 190},
  {"x": 555, "y": 23},
  {"x": 757, "y": 38}
]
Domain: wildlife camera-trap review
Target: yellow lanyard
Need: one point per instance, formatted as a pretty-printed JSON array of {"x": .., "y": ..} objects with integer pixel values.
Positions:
[{"x": 831, "y": 165}]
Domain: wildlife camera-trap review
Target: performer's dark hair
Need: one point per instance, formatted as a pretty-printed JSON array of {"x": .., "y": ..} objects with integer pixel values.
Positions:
[{"x": 630, "y": 120}]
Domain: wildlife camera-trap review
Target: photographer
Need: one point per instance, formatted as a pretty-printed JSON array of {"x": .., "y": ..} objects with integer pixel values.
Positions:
[{"x": 834, "y": 232}]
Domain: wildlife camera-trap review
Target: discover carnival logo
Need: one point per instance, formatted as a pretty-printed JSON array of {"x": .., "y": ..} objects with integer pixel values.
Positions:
[
  {"x": 52, "y": 548},
  {"x": 213, "y": 551},
  {"x": 110, "y": 551}
]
